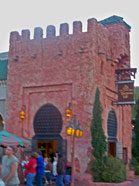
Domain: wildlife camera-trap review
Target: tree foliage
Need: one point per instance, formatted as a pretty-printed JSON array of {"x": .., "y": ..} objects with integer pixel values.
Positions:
[
  {"x": 98, "y": 137},
  {"x": 135, "y": 148},
  {"x": 103, "y": 168},
  {"x": 134, "y": 107}
]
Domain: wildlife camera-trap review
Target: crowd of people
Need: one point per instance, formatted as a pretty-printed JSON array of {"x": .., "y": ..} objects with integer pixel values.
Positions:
[{"x": 37, "y": 170}]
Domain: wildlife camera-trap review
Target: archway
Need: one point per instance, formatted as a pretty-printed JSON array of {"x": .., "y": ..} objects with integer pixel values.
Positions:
[
  {"x": 1, "y": 123},
  {"x": 47, "y": 127},
  {"x": 112, "y": 133}
]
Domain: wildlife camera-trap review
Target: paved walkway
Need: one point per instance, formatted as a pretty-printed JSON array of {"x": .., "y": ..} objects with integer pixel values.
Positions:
[{"x": 135, "y": 181}]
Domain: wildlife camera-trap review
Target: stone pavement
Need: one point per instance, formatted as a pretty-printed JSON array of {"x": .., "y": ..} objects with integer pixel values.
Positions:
[{"x": 135, "y": 181}]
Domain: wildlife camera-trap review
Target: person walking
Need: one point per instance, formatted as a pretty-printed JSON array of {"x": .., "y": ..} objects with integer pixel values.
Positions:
[
  {"x": 24, "y": 162},
  {"x": 9, "y": 167},
  {"x": 31, "y": 169},
  {"x": 60, "y": 171},
  {"x": 55, "y": 159},
  {"x": 39, "y": 169},
  {"x": 49, "y": 170}
]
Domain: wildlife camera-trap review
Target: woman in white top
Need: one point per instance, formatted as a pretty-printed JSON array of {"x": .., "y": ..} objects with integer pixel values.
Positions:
[{"x": 55, "y": 166}]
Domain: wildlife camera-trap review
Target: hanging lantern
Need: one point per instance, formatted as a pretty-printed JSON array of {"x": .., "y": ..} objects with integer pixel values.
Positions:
[
  {"x": 2, "y": 122},
  {"x": 70, "y": 130},
  {"x": 79, "y": 130},
  {"x": 68, "y": 112},
  {"x": 22, "y": 114}
]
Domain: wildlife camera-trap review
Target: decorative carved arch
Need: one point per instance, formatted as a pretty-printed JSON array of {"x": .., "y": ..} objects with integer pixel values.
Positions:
[{"x": 48, "y": 121}]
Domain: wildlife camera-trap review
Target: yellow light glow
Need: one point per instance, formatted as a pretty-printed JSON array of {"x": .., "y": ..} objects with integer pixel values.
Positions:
[
  {"x": 77, "y": 132},
  {"x": 22, "y": 114},
  {"x": 81, "y": 133},
  {"x": 68, "y": 113},
  {"x": 70, "y": 131},
  {"x": 2, "y": 122}
]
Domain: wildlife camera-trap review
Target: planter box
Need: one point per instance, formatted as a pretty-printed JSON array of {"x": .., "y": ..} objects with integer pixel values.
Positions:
[
  {"x": 86, "y": 180},
  {"x": 125, "y": 183}
]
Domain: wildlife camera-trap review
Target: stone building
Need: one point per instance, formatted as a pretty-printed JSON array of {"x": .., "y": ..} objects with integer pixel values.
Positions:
[
  {"x": 3, "y": 85},
  {"x": 47, "y": 73}
]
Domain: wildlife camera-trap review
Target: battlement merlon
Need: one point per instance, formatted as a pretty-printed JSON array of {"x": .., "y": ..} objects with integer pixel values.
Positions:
[
  {"x": 51, "y": 31},
  {"x": 64, "y": 28},
  {"x": 94, "y": 29}
]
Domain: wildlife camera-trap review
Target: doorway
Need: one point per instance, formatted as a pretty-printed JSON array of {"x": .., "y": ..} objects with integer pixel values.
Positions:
[
  {"x": 48, "y": 124},
  {"x": 47, "y": 147},
  {"x": 112, "y": 149},
  {"x": 112, "y": 133}
]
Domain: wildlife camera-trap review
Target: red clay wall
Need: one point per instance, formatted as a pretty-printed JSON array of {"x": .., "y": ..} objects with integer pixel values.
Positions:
[{"x": 68, "y": 68}]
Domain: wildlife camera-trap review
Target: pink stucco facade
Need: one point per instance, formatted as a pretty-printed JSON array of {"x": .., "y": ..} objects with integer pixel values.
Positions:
[{"x": 67, "y": 69}]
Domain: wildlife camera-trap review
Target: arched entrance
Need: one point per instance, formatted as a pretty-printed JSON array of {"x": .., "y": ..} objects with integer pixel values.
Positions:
[
  {"x": 1, "y": 123},
  {"x": 112, "y": 133},
  {"x": 47, "y": 127}
]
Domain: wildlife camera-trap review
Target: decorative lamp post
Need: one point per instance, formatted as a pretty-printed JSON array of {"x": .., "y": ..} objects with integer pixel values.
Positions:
[{"x": 74, "y": 130}]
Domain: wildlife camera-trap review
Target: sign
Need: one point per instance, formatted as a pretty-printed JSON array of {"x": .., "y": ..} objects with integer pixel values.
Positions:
[
  {"x": 125, "y": 74},
  {"x": 125, "y": 85},
  {"x": 125, "y": 92}
]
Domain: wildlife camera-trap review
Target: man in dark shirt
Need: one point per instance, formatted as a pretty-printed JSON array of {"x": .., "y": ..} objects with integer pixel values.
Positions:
[
  {"x": 60, "y": 171},
  {"x": 39, "y": 169}
]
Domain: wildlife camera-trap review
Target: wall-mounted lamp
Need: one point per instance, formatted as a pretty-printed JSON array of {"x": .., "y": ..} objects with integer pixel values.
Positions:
[
  {"x": 2, "y": 122},
  {"x": 68, "y": 111},
  {"x": 34, "y": 56},
  {"x": 16, "y": 58},
  {"x": 22, "y": 113}
]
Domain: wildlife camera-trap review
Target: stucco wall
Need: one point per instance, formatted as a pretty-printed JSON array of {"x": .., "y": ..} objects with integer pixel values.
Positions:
[{"x": 68, "y": 68}]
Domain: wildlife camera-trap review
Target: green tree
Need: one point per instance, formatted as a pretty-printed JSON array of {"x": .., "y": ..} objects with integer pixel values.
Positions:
[
  {"x": 134, "y": 107},
  {"x": 135, "y": 148},
  {"x": 98, "y": 141},
  {"x": 103, "y": 168}
]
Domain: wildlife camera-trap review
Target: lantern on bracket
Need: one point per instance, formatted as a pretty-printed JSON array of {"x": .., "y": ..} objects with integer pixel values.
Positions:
[
  {"x": 22, "y": 113},
  {"x": 68, "y": 111},
  {"x": 70, "y": 129},
  {"x": 79, "y": 130}
]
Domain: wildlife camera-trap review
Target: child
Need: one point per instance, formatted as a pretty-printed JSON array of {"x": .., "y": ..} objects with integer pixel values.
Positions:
[{"x": 25, "y": 162}]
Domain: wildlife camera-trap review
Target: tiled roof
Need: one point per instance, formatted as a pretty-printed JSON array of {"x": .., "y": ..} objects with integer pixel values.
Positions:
[
  {"x": 4, "y": 55},
  {"x": 114, "y": 19},
  {"x": 3, "y": 69}
]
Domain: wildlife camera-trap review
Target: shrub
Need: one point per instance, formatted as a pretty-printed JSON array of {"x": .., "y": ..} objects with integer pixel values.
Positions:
[
  {"x": 114, "y": 171},
  {"x": 137, "y": 169},
  {"x": 97, "y": 167},
  {"x": 133, "y": 163},
  {"x": 110, "y": 170}
]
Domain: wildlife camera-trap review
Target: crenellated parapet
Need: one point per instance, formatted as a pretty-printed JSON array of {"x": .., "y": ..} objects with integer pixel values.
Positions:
[
  {"x": 51, "y": 31},
  {"x": 110, "y": 36}
]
